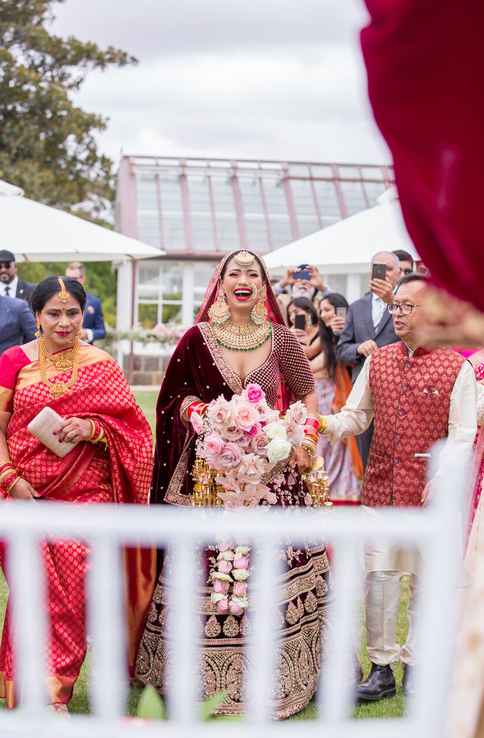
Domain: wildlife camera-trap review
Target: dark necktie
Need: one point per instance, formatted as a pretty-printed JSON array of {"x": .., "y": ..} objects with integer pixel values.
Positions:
[{"x": 7, "y": 291}]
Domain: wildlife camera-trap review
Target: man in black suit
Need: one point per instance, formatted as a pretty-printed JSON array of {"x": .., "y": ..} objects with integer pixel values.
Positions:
[
  {"x": 93, "y": 328},
  {"x": 17, "y": 324},
  {"x": 10, "y": 284},
  {"x": 369, "y": 326}
]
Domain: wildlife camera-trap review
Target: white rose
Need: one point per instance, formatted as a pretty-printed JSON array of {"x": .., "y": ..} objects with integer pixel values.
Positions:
[
  {"x": 278, "y": 450},
  {"x": 242, "y": 602},
  {"x": 240, "y": 575},
  {"x": 242, "y": 551},
  {"x": 216, "y": 597},
  {"x": 275, "y": 430}
]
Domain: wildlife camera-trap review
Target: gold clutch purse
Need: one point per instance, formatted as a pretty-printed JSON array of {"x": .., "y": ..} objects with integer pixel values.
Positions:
[{"x": 43, "y": 427}]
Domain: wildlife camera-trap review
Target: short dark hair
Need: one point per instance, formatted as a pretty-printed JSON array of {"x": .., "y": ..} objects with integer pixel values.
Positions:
[
  {"x": 403, "y": 256},
  {"x": 49, "y": 287},
  {"x": 408, "y": 278},
  {"x": 303, "y": 303}
]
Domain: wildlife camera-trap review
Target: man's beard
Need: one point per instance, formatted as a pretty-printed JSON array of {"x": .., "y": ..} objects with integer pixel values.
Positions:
[{"x": 5, "y": 278}]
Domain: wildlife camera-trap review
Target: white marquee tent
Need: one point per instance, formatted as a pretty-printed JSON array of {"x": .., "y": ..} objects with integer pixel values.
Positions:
[
  {"x": 36, "y": 232},
  {"x": 348, "y": 246}
]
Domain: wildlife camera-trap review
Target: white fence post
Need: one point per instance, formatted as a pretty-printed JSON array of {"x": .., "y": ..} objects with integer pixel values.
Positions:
[{"x": 106, "y": 528}]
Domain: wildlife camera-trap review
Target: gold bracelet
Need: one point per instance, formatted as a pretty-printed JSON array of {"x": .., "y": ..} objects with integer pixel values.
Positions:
[
  {"x": 323, "y": 424},
  {"x": 11, "y": 469},
  {"x": 11, "y": 486},
  {"x": 93, "y": 429}
]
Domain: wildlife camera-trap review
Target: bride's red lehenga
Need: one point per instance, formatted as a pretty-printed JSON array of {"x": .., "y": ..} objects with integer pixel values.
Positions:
[{"x": 197, "y": 370}]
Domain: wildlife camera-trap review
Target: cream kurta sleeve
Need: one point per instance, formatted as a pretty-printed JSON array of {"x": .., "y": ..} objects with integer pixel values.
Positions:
[
  {"x": 463, "y": 411},
  {"x": 356, "y": 416}
]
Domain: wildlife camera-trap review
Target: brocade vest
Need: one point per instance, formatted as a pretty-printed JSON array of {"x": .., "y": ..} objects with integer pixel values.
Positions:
[{"x": 411, "y": 400}]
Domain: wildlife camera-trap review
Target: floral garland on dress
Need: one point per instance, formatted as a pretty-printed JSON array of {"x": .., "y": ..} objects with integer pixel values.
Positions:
[{"x": 242, "y": 440}]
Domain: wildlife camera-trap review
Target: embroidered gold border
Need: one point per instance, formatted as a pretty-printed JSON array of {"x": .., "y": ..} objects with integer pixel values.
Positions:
[{"x": 231, "y": 377}]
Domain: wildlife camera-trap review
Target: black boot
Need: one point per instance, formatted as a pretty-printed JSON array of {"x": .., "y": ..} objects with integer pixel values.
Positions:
[
  {"x": 379, "y": 684},
  {"x": 407, "y": 681}
]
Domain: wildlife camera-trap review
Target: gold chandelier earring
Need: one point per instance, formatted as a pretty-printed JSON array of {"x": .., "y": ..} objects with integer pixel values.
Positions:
[
  {"x": 219, "y": 312},
  {"x": 258, "y": 314},
  {"x": 38, "y": 331}
]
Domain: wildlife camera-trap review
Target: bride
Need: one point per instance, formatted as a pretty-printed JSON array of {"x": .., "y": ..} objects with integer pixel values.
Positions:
[{"x": 239, "y": 337}]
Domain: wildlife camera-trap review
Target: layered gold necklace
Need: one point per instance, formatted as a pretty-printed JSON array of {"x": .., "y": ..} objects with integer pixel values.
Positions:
[
  {"x": 63, "y": 361},
  {"x": 247, "y": 337}
]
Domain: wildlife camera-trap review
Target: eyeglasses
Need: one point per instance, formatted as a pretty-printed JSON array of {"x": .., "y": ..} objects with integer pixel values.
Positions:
[
  {"x": 5, "y": 264},
  {"x": 405, "y": 308}
]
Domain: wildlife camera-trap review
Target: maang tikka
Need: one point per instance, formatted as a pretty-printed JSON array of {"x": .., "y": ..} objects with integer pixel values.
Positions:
[
  {"x": 219, "y": 312},
  {"x": 258, "y": 314}
]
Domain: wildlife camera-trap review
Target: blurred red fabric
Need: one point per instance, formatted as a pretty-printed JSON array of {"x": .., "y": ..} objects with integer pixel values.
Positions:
[{"x": 425, "y": 65}]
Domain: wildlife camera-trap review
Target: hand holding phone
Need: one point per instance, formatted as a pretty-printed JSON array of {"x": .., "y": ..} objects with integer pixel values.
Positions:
[
  {"x": 379, "y": 271},
  {"x": 300, "y": 322}
]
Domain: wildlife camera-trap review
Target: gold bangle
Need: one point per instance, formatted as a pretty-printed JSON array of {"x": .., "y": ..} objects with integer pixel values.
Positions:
[
  {"x": 11, "y": 486},
  {"x": 7, "y": 472},
  {"x": 100, "y": 436},
  {"x": 93, "y": 429},
  {"x": 323, "y": 424}
]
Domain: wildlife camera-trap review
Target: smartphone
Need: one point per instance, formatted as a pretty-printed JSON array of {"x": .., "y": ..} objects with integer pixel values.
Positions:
[
  {"x": 340, "y": 312},
  {"x": 379, "y": 271},
  {"x": 300, "y": 322},
  {"x": 302, "y": 274}
]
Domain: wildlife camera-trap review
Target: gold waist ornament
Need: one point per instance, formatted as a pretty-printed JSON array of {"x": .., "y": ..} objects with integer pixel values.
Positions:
[
  {"x": 317, "y": 483},
  {"x": 205, "y": 488}
]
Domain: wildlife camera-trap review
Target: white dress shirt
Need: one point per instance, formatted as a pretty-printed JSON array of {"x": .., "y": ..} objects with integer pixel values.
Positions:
[
  {"x": 12, "y": 288},
  {"x": 378, "y": 307}
]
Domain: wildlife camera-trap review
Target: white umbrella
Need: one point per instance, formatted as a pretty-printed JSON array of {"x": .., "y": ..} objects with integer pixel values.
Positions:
[
  {"x": 36, "y": 232},
  {"x": 351, "y": 242}
]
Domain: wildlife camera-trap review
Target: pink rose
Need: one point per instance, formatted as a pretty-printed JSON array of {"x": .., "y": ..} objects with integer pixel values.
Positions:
[
  {"x": 297, "y": 413},
  {"x": 235, "y": 608},
  {"x": 221, "y": 587},
  {"x": 242, "y": 562},
  {"x": 232, "y": 433},
  {"x": 213, "y": 444},
  {"x": 197, "y": 423},
  {"x": 259, "y": 442},
  {"x": 295, "y": 434},
  {"x": 218, "y": 411},
  {"x": 251, "y": 469},
  {"x": 230, "y": 456},
  {"x": 245, "y": 415},
  {"x": 223, "y": 606},
  {"x": 254, "y": 393},
  {"x": 225, "y": 567},
  {"x": 240, "y": 589}
]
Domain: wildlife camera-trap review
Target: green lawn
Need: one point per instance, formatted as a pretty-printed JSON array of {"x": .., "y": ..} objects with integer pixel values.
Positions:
[{"x": 385, "y": 708}]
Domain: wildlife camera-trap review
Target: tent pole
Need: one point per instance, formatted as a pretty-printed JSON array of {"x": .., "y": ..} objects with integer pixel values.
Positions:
[{"x": 134, "y": 273}]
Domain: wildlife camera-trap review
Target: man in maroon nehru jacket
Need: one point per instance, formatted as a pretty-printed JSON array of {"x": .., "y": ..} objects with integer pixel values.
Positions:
[{"x": 416, "y": 398}]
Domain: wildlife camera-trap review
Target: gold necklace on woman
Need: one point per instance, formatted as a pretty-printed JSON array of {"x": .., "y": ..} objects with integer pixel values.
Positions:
[
  {"x": 247, "y": 337},
  {"x": 63, "y": 361}
]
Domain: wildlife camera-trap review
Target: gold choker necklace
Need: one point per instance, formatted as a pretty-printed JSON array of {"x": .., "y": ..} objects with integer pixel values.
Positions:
[
  {"x": 63, "y": 361},
  {"x": 246, "y": 337}
]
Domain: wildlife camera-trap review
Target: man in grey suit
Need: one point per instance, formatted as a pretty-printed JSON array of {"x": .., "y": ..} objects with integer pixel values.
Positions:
[
  {"x": 369, "y": 326},
  {"x": 17, "y": 324}
]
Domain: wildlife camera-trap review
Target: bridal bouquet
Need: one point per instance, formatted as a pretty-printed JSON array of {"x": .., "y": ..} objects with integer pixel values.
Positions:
[{"x": 242, "y": 440}]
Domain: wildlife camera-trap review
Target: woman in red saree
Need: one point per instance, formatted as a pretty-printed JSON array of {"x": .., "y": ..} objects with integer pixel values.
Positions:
[
  {"x": 110, "y": 461},
  {"x": 231, "y": 345}
]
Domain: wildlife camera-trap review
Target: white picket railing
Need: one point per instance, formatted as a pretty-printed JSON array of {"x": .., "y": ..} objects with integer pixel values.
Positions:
[{"x": 434, "y": 530}]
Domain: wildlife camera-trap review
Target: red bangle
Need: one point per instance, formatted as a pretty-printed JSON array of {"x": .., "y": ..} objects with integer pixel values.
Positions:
[
  {"x": 6, "y": 466},
  {"x": 312, "y": 423},
  {"x": 197, "y": 407},
  {"x": 7, "y": 484}
]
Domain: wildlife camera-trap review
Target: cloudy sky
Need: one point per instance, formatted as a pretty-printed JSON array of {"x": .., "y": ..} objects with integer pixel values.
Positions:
[{"x": 277, "y": 79}]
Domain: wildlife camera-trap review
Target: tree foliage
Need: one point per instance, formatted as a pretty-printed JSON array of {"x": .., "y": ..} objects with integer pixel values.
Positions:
[{"x": 47, "y": 142}]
